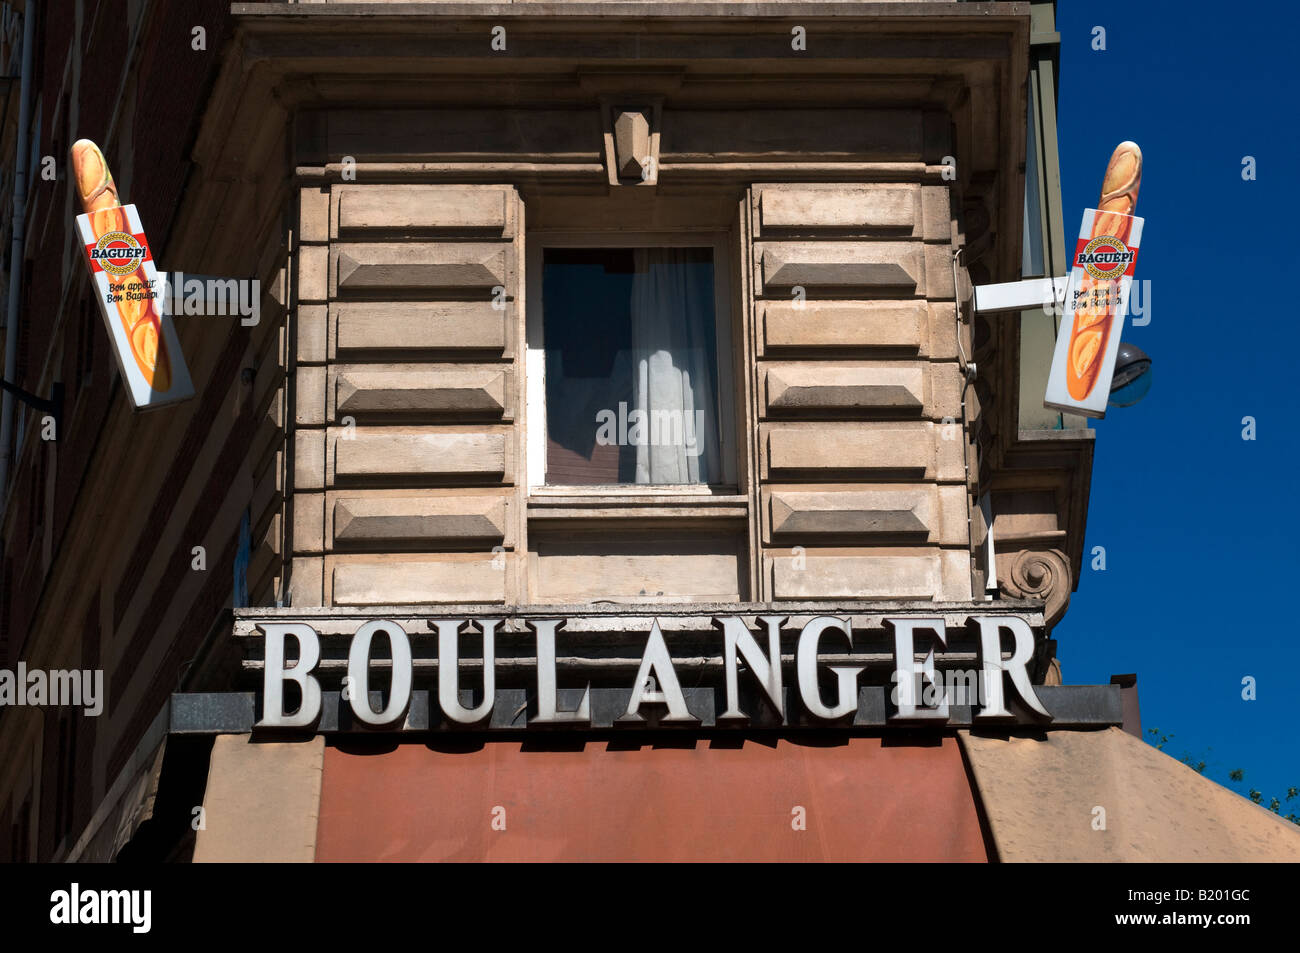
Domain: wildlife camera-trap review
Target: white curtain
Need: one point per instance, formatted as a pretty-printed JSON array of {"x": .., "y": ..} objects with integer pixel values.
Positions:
[{"x": 673, "y": 368}]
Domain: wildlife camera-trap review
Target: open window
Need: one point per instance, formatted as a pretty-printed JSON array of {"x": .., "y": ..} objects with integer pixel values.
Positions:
[{"x": 629, "y": 365}]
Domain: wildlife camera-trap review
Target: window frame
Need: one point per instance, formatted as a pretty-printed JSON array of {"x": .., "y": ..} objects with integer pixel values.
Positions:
[{"x": 725, "y": 332}]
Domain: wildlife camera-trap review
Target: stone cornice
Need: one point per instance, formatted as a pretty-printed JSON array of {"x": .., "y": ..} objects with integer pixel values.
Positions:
[
  {"x": 1057, "y": 462},
  {"x": 966, "y": 60},
  {"x": 663, "y": 9}
]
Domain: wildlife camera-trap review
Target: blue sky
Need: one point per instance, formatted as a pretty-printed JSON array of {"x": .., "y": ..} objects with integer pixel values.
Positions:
[{"x": 1199, "y": 525}]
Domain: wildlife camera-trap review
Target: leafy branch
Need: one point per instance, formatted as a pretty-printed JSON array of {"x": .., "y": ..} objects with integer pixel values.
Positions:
[{"x": 1159, "y": 739}]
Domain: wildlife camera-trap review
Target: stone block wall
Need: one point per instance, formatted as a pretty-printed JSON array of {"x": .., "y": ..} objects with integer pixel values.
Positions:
[
  {"x": 406, "y": 395},
  {"x": 408, "y": 471},
  {"x": 862, "y": 450}
]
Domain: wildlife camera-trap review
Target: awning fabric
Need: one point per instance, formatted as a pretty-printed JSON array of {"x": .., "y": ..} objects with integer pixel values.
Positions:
[
  {"x": 1105, "y": 795},
  {"x": 667, "y": 799},
  {"x": 262, "y": 800},
  {"x": 122, "y": 817}
]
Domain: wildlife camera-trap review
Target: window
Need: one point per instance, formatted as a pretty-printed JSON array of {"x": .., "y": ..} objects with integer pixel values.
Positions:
[
  {"x": 1031, "y": 257},
  {"x": 65, "y": 785},
  {"x": 243, "y": 556},
  {"x": 629, "y": 366}
]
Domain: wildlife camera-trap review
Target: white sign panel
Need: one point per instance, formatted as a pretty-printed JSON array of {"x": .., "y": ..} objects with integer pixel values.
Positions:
[
  {"x": 130, "y": 294},
  {"x": 1096, "y": 303}
]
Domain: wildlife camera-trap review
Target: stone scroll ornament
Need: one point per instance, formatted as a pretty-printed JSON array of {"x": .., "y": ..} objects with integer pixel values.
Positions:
[
  {"x": 1038, "y": 574},
  {"x": 1097, "y": 296},
  {"x": 127, "y": 286}
]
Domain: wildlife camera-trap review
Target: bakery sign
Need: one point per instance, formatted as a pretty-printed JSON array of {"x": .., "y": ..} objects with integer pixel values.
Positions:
[
  {"x": 1096, "y": 298},
  {"x": 331, "y": 674},
  {"x": 127, "y": 286}
]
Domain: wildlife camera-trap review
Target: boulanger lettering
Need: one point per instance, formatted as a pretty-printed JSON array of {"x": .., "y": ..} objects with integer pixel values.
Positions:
[{"x": 827, "y": 692}]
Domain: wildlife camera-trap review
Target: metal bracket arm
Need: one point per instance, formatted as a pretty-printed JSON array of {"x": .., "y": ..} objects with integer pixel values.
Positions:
[
  {"x": 53, "y": 406},
  {"x": 1020, "y": 295}
]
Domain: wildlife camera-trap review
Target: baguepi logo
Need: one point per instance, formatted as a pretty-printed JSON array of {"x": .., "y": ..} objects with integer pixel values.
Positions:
[
  {"x": 118, "y": 253},
  {"x": 1105, "y": 257}
]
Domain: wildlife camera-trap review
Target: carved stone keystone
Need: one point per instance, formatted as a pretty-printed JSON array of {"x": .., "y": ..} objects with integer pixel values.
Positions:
[{"x": 631, "y": 142}]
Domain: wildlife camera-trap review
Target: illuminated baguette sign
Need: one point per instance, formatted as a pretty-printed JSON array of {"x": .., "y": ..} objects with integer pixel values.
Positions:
[
  {"x": 127, "y": 287},
  {"x": 378, "y": 676}
]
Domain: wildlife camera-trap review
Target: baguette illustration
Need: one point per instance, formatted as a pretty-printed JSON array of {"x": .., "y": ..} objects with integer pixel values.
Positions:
[
  {"x": 135, "y": 307},
  {"x": 1095, "y": 306},
  {"x": 94, "y": 182}
]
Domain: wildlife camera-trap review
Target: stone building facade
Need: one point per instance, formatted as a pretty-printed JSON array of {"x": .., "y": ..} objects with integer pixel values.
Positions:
[{"x": 394, "y": 176}]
